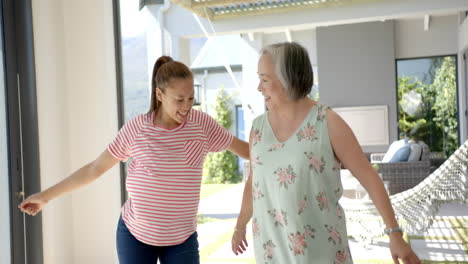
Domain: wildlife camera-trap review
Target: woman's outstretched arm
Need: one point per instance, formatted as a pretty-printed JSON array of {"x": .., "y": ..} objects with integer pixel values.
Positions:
[
  {"x": 83, "y": 176},
  {"x": 348, "y": 151}
]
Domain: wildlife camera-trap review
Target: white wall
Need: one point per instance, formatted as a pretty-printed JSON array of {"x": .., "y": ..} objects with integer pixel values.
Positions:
[
  {"x": 463, "y": 34},
  {"x": 356, "y": 67},
  {"x": 93, "y": 104},
  {"x": 411, "y": 40},
  {"x": 54, "y": 148},
  {"x": 77, "y": 111}
]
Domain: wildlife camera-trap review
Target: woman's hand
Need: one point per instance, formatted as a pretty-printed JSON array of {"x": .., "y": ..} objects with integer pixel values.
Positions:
[
  {"x": 401, "y": 250},
  {"x": 33, "y": 204},
  {"x": 239, "y": 241}
]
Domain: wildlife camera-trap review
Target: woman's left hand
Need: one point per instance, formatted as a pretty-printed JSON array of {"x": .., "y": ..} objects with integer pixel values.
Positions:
[
  {"x": 401, "y": 250},
  {"x": 239, "y": 241}
]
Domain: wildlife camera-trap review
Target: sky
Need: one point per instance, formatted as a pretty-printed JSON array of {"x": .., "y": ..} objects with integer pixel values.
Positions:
[{"x": 132, "y": 20}]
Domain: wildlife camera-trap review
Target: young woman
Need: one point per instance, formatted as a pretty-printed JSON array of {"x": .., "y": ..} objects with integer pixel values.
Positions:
[{"x": 168, "y": 146}]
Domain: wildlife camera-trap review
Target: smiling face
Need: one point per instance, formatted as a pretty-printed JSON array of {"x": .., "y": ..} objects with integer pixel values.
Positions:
[
  {"x": 176, "y": 102},
  {"x": 270, "y": 86}
]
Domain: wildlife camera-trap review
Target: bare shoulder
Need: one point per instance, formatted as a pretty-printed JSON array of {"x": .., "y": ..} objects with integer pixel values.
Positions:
[
  {"x": 334, "y": 120},
  {"x": 339, "y": 132}
]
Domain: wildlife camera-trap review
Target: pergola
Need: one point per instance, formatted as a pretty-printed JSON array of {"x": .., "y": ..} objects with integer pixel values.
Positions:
[{"x": 221, "y": 9}]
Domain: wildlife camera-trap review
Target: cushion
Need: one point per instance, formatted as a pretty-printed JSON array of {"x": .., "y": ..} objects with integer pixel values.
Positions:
[
  {"x": 415, "y": 152},
  {"x": 398, "y": 151},
  {"x": 425, "y": 150}
]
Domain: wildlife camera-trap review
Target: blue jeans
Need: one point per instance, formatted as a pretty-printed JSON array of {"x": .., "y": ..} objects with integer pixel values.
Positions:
[{"x": 132, "y": 251}]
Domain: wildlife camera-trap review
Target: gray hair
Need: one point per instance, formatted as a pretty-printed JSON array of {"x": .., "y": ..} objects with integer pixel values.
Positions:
[{"x": 292, "y": 67}]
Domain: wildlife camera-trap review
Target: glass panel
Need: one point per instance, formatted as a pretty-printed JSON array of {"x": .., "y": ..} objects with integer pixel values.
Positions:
[
  {"x": 427, "y": 102},
  {"x": 240, "y": 132},
  {"x": 134, "y": 58},
  {"x": 5, "y": 242}
]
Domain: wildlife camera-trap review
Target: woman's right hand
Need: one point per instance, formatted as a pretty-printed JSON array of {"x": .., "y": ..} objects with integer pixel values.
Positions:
[
  {"x": 239, "y": 241},
  {"x": 33, "y": 204}
]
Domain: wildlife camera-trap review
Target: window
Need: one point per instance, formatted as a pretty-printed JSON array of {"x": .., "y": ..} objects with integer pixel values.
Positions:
[
  {"x": 132, "y": 54},
  {"x": 240, "y": 132},
  {"x": 135, "y": 61},
  {"x": 427, "y": 101}
]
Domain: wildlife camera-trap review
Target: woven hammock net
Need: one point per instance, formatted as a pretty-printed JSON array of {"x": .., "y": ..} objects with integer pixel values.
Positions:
[{"x": 416, "y": 208}]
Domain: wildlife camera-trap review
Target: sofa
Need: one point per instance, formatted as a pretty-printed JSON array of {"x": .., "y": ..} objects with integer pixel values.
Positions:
[
  {"x": 405, "y": 164},
  {"x": 401, "y": 175}
]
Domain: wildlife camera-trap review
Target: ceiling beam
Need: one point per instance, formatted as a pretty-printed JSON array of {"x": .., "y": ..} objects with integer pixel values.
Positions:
[
  {"x": 427, "y": 21},
  {"x": 287, "y": 32}
]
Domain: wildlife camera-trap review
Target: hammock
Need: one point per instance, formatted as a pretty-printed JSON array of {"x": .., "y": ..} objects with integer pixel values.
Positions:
[{"x": 416, "y": 208}]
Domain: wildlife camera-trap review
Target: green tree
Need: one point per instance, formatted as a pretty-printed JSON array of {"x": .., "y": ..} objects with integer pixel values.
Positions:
[
  {"x": 221, "y": 167},
  {"x": 445, "y": 105},
  {"x": 429, "y": 76},
  {"x": 414, "y": 125}
]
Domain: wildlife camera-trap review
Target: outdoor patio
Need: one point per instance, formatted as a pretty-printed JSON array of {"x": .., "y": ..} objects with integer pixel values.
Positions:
[{"x": 445, "y": 242}]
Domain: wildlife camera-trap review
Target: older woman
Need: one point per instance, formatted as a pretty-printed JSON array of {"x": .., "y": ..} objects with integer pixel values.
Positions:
[{"x": 297, "y": 148}]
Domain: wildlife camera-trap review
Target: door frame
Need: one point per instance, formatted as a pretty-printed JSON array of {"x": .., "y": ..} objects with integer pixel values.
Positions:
[{"x": 22, "y": 122}]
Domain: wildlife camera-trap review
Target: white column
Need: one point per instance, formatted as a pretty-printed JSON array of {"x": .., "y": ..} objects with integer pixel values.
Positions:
[
  {"x": 180, "y": 49},
  {"x": 91, "y": 114},
  {"x": 154, "y": 40},
  {"x": 463, "y": 79},
  {"x": 160, "y": 41}
]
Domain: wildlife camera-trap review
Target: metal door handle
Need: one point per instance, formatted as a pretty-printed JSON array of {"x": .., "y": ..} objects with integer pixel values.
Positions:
[{"x": 20, "y": 195}]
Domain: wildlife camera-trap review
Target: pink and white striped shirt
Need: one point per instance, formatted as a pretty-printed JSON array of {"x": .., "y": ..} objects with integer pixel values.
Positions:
[{"x": 164, "y": 177}]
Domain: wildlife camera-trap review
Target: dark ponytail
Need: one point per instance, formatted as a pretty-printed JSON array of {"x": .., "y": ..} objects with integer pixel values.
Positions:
[{"x": 165, "y": 70}]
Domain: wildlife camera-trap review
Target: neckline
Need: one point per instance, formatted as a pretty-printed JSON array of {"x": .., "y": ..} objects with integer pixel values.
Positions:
[
  {"x": 316, "y": 105},
  {"x": 159, "y": 128}
]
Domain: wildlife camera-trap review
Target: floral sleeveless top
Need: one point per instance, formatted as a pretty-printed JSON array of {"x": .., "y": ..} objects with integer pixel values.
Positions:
[{"x": 296, "y": 186}]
